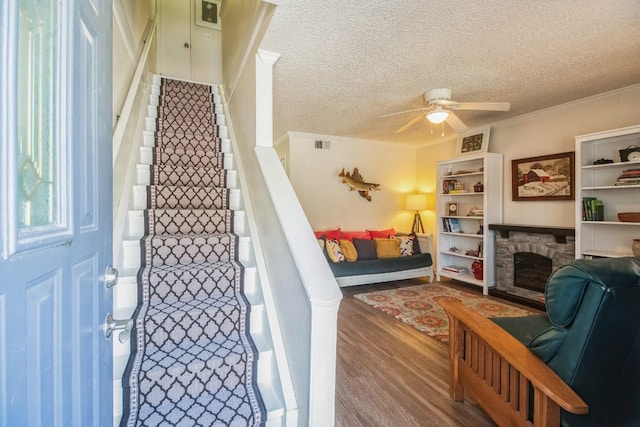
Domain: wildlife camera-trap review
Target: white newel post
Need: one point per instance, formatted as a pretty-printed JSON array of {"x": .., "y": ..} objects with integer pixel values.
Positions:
[{"x": 264, "y": 97}]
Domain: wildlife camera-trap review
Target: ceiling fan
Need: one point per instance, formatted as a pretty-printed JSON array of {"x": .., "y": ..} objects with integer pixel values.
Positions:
[{"x": 440, "y": 109}]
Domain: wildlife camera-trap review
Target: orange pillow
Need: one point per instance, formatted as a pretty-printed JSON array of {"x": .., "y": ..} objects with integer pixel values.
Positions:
[
  {"x": 350, "y": 235},
  {"x": 387, "y": 248},
  {"x": 385, "y": 234}
]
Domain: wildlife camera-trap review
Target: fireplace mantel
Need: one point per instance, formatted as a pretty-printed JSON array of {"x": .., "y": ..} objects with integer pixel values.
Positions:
[{"x": 560, "y": 233}]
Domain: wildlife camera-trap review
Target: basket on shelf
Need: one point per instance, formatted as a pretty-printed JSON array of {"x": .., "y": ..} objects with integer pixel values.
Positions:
[{"x": 629, "y": 216}]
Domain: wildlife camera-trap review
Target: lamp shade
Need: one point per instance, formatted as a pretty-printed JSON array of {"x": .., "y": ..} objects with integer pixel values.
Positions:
[
  {"x": 438, "y": 116},
  {"x": 416, "y": 202}
]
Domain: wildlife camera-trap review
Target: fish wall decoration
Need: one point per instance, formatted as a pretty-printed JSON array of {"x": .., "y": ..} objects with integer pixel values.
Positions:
[{"x": 356, "y": 182}]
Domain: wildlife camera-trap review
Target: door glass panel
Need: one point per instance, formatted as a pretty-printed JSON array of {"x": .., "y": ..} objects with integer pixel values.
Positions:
[{"x": 36, "y": 113}]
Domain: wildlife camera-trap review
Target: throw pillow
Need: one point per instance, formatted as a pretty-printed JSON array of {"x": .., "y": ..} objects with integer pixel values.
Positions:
[
  {"x": 329, "y": 234},
  {"x": 416, "y": 244},
  {"x": 406, "y": 245},
  {"x": 350, "y": 235},
  {"x": 349, "y": 250},
  {"x": 387, "y": 248},
  {"x": 384, "y": 234},
  {"x": 334, "y": 252},
  {"x": 366, "y": 248}
]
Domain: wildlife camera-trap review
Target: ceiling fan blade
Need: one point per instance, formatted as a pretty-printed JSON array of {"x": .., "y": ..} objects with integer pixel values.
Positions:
[
  {"x": 486, "y": 106},
  {"x": 456, "y": 124},
  {"x": 406, "y": 111},
  {"x": 410, "y": 123}
]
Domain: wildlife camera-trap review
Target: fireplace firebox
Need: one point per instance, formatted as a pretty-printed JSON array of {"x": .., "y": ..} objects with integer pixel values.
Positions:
[{"x": 531, "y": 270}]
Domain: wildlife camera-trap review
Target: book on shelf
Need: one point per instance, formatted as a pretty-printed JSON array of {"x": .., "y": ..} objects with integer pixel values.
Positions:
[
  {"x": 592, "y": 209},
  {"x": 455, "y": 269},
  {"x": 629, "y": 177},
  {"x": 454, "y": 225}
]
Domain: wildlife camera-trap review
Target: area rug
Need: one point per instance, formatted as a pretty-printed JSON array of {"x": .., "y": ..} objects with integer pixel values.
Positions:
[{"x": 418, "y": 306}]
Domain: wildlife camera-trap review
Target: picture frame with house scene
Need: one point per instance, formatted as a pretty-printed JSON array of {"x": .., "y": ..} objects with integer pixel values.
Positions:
[{"x": 550, "y": 177}]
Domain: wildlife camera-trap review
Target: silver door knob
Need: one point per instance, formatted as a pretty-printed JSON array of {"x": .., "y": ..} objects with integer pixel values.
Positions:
[
  {"x": 124, "y": 326},
  {"x": 110, "y": 277}
]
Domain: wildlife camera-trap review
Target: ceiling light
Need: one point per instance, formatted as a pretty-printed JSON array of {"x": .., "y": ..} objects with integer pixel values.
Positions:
[{"x": 437, "y": 116}]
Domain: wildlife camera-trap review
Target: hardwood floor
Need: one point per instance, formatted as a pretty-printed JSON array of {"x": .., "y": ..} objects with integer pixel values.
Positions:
[{"x": 390, "y": 374}]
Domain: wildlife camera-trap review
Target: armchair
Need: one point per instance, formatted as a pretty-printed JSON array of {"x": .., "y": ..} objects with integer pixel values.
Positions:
[{"x": 577, "y": 365}]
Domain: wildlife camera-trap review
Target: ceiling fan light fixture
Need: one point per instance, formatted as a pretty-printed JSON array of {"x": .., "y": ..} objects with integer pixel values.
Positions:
[{"x": 437, "y": 116}]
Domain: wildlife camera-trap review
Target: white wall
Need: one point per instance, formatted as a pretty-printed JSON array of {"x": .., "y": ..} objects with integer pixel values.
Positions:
[
  {"x": 328, "y": 202},
  {"x": 130, "y": 22}
]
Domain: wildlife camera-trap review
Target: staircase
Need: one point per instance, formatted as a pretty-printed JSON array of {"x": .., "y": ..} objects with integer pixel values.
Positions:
[{"x": 200, "y": 352}]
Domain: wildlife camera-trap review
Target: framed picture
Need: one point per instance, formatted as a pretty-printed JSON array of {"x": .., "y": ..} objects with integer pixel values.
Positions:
[
  {"x": 208, "y": 13},
  {"x": 544, "y": 177},
  {"x": 473, "y": 142}
]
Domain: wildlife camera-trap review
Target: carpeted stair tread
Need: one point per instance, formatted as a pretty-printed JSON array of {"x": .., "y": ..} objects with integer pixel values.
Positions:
[
  {"x": 183, "y": 324},
  {"x": 185, "y": 249},
  {"x": 189, "y": 117},
  {"x": 187, "y": 130},
  {"x": 188, "y": 221},
  {"x": 172, "y": 197},
  {"x": 169, "y": 284},
  {"x": 209, "y": 151},
  {"x": 201, "y": 159},
  {"x": 186, "y": 142},
  {"x": 169, "y": 104},
  {"x": 187, "y": 176},
  {"x": 184, "y": 128}
]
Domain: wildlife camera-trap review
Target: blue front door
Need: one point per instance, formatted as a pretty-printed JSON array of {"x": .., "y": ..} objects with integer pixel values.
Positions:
[{"x": 55, "y": 212}]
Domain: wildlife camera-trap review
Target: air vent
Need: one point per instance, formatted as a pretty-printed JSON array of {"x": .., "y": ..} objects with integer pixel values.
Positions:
[{"x": 322, "y": 145}]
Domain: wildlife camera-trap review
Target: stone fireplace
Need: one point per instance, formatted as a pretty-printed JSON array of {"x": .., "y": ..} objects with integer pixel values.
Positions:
[{"x": 525, "y": 256}]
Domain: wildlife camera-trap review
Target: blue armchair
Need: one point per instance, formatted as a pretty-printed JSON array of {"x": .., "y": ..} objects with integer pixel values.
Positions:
[{"x": 577, "y": 365}]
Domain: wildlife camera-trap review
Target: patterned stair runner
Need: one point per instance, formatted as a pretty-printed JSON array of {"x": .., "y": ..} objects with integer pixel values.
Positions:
[{"x": 192, "y": 361}]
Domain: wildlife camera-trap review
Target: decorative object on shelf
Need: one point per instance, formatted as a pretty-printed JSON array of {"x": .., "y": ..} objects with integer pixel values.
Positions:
[
  {"x": 548, "y": 177},
  {"x": 357, "y": 183},
  {"x": 629, "y": 216},
  {"x": 630, "y": 154},
  {"x": 603, "y": 162},
  {"x": 208, "y": 13},
  {"x": 478, "y": 187},
  {"x": 477, "y": 269},
  {"x": 635, "y": 247},
  {"x": 452, "y": 209},
  {"x": 454, "y": 249},
  {"x": 473, "y": 142},
  {"x": 417, "y": 203},
  {"x": 475, "y": 211}
]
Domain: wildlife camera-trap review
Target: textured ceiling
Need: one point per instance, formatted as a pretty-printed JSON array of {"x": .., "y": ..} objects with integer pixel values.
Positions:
[{"x": 344, "y": 64}]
